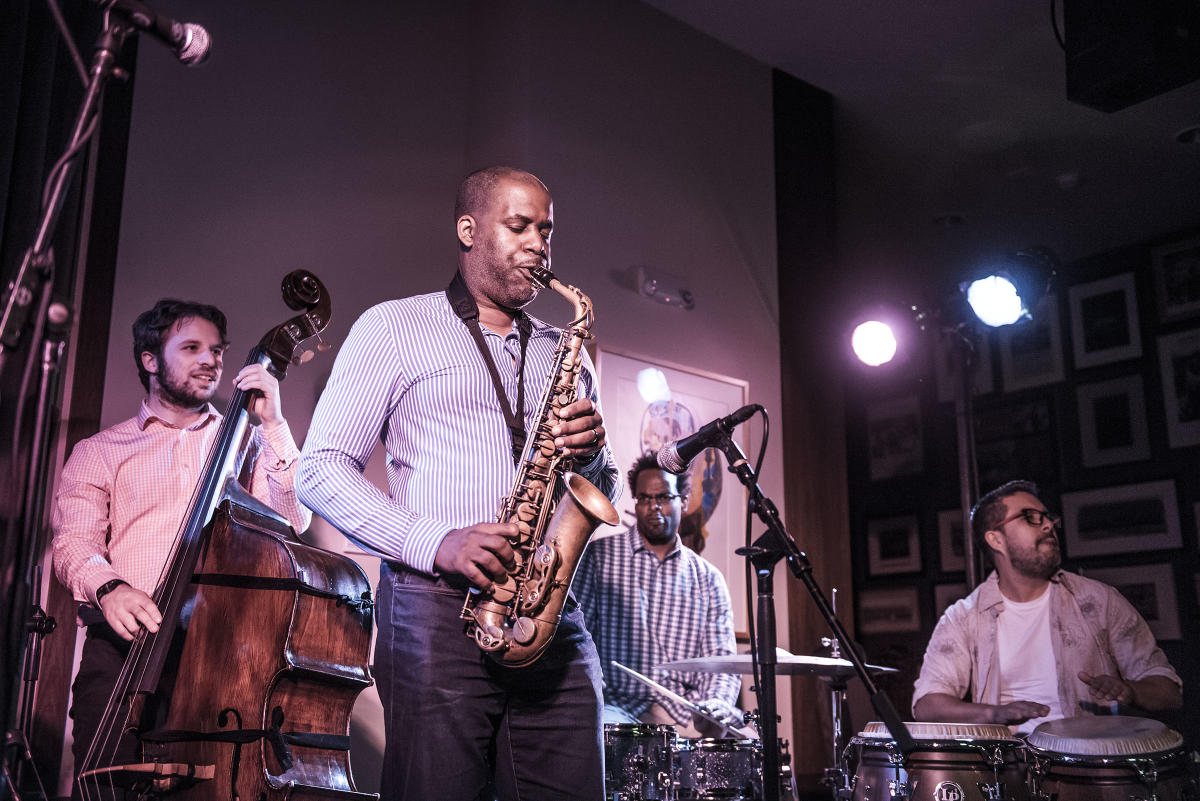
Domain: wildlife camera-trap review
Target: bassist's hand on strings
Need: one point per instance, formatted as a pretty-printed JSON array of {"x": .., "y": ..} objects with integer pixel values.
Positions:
[
  {"x": 129, "y": 610},
  {"x": 581, "y": 432},
  {"x": 265, "y": 406}
]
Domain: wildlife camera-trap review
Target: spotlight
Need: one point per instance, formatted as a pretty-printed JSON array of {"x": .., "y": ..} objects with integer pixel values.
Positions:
[
  {"x": 1006, "y": 292},
  {"x": 883, "y": 330},
  {"x": 874, "y": 343}
]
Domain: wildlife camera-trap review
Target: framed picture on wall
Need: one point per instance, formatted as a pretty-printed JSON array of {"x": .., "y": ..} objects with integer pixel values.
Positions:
[
  {"x": 1104, "y": 321},
  {"x": 1016, "y": 439},
  {"x": 888, "y": 611},
  {"x": 649, "y": 402},
  {"x": 1179, "y": 365},
  {"x": 1112, "y": 421},
  {"x": 946, "y": 594},
  {"x": 1134, "y": 517},
  {"x": 1177, "y": 279},
  {"x": 950, "y": 540},
  {"x": 893, "y": 546},
  {"x": 1031, "y": 352},
  {"x": 1151, "y": 590},
  {"x": 894, "y": 438}
]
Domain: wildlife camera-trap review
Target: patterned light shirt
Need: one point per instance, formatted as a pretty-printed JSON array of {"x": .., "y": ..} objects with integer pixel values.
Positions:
[
  {"x": 410, "y": 375},
  {"x": 643, "y": 612},
  {"x": 125, "y": 491},
  {"x": 1092, "y": 628}
]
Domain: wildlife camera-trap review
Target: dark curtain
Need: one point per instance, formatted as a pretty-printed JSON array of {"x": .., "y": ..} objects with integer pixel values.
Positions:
[{"x": 40, "y": 92}]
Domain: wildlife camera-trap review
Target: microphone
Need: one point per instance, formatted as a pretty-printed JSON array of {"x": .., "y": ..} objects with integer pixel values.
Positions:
[
  {"x": 189, "y": 42},
  {"x": 675, "y": 457}
]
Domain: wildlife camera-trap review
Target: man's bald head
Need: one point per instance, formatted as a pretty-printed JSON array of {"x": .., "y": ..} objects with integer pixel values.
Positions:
[{"x": 476, "y": 190}]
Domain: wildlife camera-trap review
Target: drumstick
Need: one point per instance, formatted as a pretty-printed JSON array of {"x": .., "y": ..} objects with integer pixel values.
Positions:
[{"x": 695, "y": 708}]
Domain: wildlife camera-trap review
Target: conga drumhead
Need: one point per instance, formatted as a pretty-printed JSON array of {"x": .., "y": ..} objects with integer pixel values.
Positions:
[
  {"x": 1105, "y": 736},
  {"x": 942, "y": 731}
]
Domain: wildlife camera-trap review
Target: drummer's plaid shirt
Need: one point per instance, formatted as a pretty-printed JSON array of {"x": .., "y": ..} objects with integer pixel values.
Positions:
[{"x": 643, "y": 612}]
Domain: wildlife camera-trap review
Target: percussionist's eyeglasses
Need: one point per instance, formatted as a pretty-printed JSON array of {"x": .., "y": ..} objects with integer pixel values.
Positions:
[
  {"x": 1035, "y": 517},
  {"x": 655, "y": 500}
]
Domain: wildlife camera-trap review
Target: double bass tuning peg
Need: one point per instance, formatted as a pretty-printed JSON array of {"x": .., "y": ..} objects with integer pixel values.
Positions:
[{"x": 304, "y": 354}]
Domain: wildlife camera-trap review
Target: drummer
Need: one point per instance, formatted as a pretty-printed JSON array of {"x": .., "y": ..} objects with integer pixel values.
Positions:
[
  {"x": 1034, "y": 642},
  {"x": 648, "y": 599}
]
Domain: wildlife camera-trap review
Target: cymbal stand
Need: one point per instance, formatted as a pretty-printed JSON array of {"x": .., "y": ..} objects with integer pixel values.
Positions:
[
  {"x": 837, "y": 778},
  {"x": 776, "y": 544}
]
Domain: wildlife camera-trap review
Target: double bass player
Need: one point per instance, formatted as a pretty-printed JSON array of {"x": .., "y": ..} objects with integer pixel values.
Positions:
[{"x": 124, "y": 491}]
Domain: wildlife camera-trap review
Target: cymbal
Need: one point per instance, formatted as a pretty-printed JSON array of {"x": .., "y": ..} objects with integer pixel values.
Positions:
[{"x": 786, "y": 664}]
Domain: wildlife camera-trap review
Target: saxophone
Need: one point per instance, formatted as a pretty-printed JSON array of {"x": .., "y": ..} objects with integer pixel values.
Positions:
[{"x": 513, "y": 622}]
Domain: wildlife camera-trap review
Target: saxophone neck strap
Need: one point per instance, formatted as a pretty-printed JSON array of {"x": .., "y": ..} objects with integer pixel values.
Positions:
[{"x": 467, "y": 309}]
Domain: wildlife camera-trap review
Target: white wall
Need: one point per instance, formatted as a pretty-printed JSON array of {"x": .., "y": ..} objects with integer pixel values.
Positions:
[{"x": 332, "y": 137}]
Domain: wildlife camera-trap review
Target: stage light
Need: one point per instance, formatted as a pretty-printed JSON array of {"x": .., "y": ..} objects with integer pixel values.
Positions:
[
  {"x": 1007, "y": 291},
  {"x": 874, "y": 343},
  {"x": 995, "y": 301},
  {"x": 885, "y": 332}
]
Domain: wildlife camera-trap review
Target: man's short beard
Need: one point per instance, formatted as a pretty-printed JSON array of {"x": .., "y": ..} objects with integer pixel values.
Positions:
[
  {"x": 1036, "y": 565},
  {"x": 177, "y": 393}
]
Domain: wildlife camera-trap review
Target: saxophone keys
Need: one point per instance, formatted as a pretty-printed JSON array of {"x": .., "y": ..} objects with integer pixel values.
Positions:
[{"x": 524, "y": 630}]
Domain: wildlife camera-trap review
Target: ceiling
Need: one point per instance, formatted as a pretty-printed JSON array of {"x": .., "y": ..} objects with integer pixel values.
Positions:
[{"x": 955, "y": 139}]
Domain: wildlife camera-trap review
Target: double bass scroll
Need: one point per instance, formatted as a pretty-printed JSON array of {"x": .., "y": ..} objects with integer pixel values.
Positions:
[{"x": 246, "y": 690}]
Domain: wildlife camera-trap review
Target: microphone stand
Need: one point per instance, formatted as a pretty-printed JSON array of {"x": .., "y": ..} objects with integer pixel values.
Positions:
[
  {"x": 28, "y": 293},
  {"x": 776, "y": 544}
]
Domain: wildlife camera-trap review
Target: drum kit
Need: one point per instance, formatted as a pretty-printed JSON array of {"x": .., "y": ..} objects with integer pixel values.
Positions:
[
  {"x": 645, "y": 762},
  {"x": 1091, "y": 758}
]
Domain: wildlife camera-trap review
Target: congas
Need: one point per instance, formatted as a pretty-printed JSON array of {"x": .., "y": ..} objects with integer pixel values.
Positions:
[
  {"x": 1109, "y": 758},
  {"x": 953, "y": 762},
  {"x": 709, "y": 769},
  {"x": 637, "y": 761}
]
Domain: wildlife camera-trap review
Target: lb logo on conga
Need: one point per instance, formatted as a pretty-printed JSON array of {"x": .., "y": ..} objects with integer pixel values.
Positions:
[{"x": 948, "y": 791}]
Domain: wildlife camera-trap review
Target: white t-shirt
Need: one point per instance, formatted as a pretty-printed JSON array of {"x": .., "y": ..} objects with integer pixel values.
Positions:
[{"x": 1027, "y": 669}]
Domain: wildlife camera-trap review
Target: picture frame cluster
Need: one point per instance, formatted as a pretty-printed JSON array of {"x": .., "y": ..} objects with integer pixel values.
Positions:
[{"x": 1096, "y": 399}]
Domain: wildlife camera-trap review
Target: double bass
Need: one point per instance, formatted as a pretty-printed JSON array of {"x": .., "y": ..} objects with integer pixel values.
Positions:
[{"x": 245, "y": 691}]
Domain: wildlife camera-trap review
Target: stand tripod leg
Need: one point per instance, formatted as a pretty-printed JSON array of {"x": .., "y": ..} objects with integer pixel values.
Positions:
[{"x": 21, "y": 779}]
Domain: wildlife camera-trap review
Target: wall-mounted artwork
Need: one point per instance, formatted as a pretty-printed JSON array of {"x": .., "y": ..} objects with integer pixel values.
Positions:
[
  {"x": 950, "y": 540},
  {"x": 1134, "y": 517},
  {"x": 1031, "y": 353},
  {"x": 1104, "y": 321},
  {"x": 1112, "y": 422},
  {"x": 888, "y": 611},
  {"x": 1179, "y": 365},
  {"x": 894, "y": 438},
  {"x": 893, "y": 546},
  {"x": 946, "y": 594},
  {"x": 648, "y": 403},
  {"x": 1151, "y": 590},
  {"x": 1016, "y": 439},
  {"x": 1177, "y": 279}
]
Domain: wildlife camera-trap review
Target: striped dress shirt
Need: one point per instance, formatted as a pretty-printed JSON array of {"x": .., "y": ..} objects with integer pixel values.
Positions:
[
  {"x": 410, "y": 375},
  {"x": 125, "y": 491},
  {"x": 643, "y": 612}
]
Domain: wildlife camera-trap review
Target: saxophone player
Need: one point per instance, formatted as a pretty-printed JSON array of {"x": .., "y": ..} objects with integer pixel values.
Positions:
[{"x": 449, "y": 382}]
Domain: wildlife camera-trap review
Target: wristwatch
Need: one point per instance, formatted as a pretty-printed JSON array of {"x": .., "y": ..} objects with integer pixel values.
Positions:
[{"x": 108, "y": 587}]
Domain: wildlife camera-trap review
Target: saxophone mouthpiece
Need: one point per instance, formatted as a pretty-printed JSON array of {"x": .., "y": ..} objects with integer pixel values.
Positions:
[{"x": 542, "y": 276}]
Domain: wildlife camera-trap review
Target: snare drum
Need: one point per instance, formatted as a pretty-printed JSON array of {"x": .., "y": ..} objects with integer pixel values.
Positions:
[
  {"x": 637, "y": 761},
  {"x": 953, "y": 762},
  {"x": 1109, "y": 758},
  {"x": 709, "y": 769}
]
